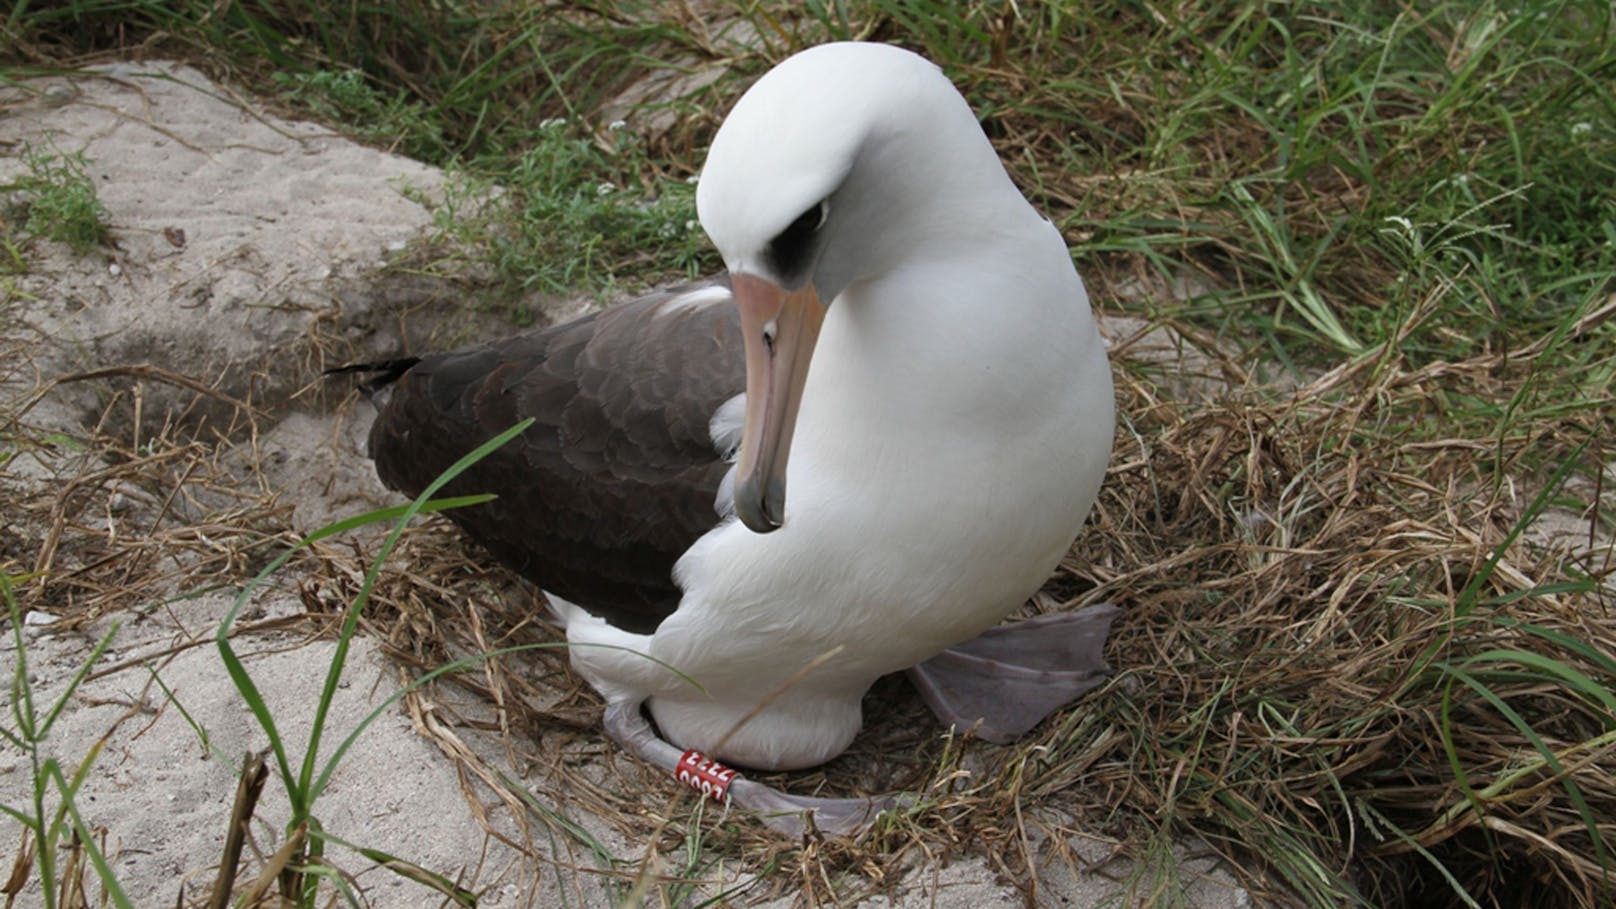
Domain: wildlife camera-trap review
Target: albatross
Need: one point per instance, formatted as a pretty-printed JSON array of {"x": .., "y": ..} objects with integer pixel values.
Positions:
[{"x": 854, "y": 453}]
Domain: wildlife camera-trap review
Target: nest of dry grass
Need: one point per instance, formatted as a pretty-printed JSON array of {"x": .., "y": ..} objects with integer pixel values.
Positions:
[
  {"x": 1341, "y": 663},
  {"x": 1337, "y": 664}
]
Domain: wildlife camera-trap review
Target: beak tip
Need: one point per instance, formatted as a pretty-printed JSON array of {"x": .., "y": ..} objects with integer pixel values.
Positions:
[
  {"x": 757, "y": 525},
  {"x": 760, "y": 513},
  {"x": 757, "y": 521}
]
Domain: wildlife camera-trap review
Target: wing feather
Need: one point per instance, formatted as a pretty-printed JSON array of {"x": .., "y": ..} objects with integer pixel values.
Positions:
[{"x": 618, "y": 475}]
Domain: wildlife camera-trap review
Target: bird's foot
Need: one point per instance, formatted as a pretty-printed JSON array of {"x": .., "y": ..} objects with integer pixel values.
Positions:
[
  {"x": 1005, "y": 681},
  {"x": 796, "y": 816},
  {"x": 791, "y": 815}
]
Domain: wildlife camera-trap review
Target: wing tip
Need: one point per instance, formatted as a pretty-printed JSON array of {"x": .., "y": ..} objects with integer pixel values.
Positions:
[{"x": 386, "y": 372}]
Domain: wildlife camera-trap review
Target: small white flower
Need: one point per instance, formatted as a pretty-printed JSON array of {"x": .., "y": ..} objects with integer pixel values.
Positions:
[
  {"x": 691, "y": 226},
  {"x": 605, "y": 189},
  {"x": 1581, "y": 129},
  {"x": 616, "y": 125},
  {"x": 552, "y": 122},
  {"x": 692, "y": 179}
]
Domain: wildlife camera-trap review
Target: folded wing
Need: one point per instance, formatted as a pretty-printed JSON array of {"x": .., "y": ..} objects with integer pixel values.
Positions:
[{"x": 617, "y": 476}]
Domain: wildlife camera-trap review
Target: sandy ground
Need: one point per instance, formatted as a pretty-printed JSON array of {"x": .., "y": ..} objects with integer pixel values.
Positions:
[{"x": 242, "y": 244}]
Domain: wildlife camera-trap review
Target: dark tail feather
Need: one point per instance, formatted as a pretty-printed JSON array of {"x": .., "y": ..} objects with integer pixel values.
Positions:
[{"x": 387, "y": 372}]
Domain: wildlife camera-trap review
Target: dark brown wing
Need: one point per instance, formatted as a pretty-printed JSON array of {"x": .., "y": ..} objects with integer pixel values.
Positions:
[{"x": 617, "y": 476}]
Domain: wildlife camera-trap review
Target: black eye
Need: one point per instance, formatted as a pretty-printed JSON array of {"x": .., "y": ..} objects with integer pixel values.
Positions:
[{"x": 791, "y": 248}]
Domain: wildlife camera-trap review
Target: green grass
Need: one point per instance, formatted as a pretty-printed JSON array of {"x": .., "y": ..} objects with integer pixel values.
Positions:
[
  {"x": 305, "y": 781},
  {"x": 50, "y": 818},
  {"x": 1421, "y": 194},
  {"x": 343, "y": 96},
  {"x": 570, "y": 214},
  {"x": 1320, "y": 164},
  {"x": 55, "y": 199}
]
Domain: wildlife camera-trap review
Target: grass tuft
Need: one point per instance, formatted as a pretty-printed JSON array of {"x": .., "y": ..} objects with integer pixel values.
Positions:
[
  {"x": 366, "y": 112},
  {"x": 57, "y": 201},
  {"x": 47, "y": 830},
  {"x": 570, "y": 214}
]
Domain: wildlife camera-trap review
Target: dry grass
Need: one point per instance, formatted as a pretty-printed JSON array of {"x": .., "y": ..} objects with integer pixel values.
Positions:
[
  {"x": 126, "y": 520},
  {"x": 1306, "y": 573}
]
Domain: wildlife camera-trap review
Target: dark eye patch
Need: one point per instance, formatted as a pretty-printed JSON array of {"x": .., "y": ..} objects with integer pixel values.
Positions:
[{"x": 791, "y": 249}]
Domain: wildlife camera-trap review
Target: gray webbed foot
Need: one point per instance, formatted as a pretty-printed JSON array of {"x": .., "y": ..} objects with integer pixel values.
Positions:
[{"x": 1007, "y": 680}]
